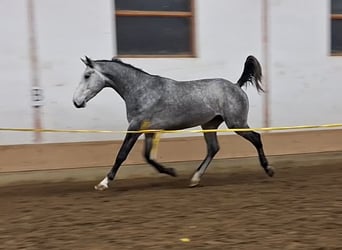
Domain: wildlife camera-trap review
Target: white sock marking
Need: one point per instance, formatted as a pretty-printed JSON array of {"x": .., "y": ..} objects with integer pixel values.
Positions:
[
  {"x": 104, "y": 182},
  {"x": 196, "y": 177}
]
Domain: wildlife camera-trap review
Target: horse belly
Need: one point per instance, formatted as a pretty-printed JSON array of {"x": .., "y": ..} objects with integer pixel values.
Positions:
[{"x": 181, "y": 118}]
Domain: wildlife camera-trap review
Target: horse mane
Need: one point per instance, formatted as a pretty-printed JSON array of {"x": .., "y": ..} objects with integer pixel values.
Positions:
[{"x": 117, "y": 60}]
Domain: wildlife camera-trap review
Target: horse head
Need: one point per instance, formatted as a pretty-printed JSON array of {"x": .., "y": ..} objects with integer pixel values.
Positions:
[{"x": 92, "y": 82}]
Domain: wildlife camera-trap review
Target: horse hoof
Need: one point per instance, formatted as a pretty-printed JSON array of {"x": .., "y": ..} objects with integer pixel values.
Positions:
[
  {"x": 270, "y": 171},
  {"x": 100, "y": 187},
  {"x": 171, "y": 172},
  {"x": 195, "y": 180},
  {"x": 193, "y": 184}
]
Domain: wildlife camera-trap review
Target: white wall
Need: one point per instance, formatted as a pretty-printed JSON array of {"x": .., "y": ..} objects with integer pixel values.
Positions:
[
  {"x": 304, "y": 78},
  {"x": 66, "y": 31},
  {"x": 15, "y": 99},
  {"x": 84, "y": 27}
]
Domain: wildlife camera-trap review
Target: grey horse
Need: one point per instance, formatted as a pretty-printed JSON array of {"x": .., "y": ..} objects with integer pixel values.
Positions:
[{"x": 167, "y": 104}]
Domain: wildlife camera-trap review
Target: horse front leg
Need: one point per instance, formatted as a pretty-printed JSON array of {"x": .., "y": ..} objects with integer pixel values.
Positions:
[{"x": 126, "y": 147}]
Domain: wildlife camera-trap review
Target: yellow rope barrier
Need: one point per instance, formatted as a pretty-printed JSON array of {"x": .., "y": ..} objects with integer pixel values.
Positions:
[
  {"x": 143, "y": 130},
  {"x": 145, "y": 125}
]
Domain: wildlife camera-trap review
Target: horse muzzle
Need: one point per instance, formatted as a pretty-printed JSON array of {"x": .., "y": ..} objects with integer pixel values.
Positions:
[{"x": 79, "y": 105}]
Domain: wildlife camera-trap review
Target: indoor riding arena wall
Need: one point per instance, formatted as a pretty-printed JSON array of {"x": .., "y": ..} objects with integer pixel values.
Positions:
[{"x": 47, "y": 196}]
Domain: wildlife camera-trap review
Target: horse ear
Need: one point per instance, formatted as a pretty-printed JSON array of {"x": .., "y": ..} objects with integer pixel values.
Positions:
[
  {"x": 87, "y": 61},
  {"x": 116, "y": 59}
]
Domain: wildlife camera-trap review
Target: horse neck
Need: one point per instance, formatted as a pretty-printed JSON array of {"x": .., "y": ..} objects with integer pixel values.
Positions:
[{"x": 127, "y": 81}]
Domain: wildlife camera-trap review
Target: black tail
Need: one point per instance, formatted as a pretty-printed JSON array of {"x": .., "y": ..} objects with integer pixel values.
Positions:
[{"x": 251, "y": 73}]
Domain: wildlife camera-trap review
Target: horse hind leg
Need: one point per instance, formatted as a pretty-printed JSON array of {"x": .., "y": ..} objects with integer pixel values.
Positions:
[
  {"x": 255, "y": 139},
  {"x": 212, "y": 149},
  {"x": 148, "y": 148}
]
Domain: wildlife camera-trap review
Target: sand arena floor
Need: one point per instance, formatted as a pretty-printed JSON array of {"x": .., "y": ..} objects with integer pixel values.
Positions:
[{"x": 300, "y": 208}]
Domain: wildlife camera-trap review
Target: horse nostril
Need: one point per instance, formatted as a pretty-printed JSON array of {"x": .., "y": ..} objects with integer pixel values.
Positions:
[{"x": 75, "y": 104}]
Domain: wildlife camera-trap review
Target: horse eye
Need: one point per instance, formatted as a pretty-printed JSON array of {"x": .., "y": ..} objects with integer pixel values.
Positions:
[{"x": 86, "y": 76}]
